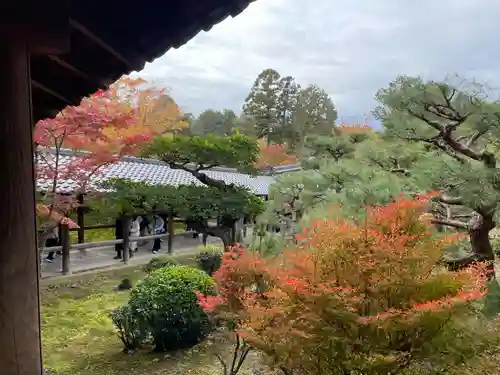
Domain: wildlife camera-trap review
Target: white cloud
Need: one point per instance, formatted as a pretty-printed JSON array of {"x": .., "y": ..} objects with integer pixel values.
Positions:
[{"x": 349, "y": 47}]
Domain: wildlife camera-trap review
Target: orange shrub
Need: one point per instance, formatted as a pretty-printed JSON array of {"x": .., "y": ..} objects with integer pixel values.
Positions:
[
  {"x": 366, "y": 299},
  {"x": 274, "y": 155}
]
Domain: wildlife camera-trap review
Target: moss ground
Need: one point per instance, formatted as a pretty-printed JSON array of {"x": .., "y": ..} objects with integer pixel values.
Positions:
[{"x": 79, "y": 338}]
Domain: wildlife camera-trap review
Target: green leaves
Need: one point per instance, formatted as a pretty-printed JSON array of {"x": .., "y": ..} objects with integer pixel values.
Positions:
[
  {"x": 210, "y": 121},
  {"x": 237, "y": 151},
  {"x": 285, "y": 113},
  {"x": 186, "y": 201}
]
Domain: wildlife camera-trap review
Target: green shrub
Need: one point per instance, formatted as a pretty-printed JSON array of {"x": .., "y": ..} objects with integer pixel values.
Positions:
[
  {"x": 165, "y": 303},
  {"x": 267, "y": 245},
  {"x": 210, "y": 258},
  {"x": 128, "y": 328},
  {"x": 159, "y": 262},
  {"x": 495, "y": 244}
]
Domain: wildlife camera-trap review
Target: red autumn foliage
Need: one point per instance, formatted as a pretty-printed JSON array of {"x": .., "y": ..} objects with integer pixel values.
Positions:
[
  {"x": 241, "y": 275},
  {"x": 106, "y": 125},
  {"x": 274, "y": 155},
  {"x": 345, "y": 129},
  {"x": 367, "y": 298}
]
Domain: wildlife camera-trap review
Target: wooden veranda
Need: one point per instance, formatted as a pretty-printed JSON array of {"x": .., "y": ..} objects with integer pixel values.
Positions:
[{"x": 52, "y": 54}]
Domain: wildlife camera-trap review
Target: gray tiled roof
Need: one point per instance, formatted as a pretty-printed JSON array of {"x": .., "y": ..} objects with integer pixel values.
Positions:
[{"x": 157, "y": 172}]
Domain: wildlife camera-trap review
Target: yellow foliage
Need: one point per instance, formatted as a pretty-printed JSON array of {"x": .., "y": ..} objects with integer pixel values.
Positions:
[{"x": 156, "y": 111}]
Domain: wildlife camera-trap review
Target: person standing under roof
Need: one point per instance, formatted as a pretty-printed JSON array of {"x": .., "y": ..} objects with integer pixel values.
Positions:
[
  {"x": 52, "y": 239},
  {"x": 135, "y": 231},
  {"x": 157, "y": 227},
  {"x": 118, "y": 236}
]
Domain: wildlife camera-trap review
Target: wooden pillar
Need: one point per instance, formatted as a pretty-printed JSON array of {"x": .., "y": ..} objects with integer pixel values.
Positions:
[
  {"x": 20, "y": 345},
  {"x": 126, "y": 239},
  {"x": 66, "y": 244},
  {"x": 170, "y": 231},
  {"x": 80, "y": 219}
]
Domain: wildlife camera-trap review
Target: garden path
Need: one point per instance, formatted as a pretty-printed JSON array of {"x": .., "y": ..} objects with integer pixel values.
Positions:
[{"x": 102, "y": 257}]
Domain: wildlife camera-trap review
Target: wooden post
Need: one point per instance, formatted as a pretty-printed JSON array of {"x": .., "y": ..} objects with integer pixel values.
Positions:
[
  {"x": 126, "y": 239},
  {"x": 170, "y": 231},
  {"x": 80, "y": 219},
  {"x": 20, "y": 344},
  {"x": 65, "y": 243}
]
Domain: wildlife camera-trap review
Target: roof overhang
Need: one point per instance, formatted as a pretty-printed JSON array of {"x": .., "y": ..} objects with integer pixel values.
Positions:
[{"x": 108, "y": 39}]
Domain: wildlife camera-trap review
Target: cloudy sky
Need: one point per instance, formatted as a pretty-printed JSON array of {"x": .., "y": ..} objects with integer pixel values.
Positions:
[{"x": 349, "y": 47}]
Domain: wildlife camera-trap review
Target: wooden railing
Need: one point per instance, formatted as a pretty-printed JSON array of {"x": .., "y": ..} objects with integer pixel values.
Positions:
[{"x": 66, "y": 247}]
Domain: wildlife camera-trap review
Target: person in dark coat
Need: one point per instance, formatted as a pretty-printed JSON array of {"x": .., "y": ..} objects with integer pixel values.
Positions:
[{"x": 118, "y": 236}]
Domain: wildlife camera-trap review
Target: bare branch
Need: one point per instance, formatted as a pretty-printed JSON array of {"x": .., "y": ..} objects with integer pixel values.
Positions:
[
  {"x": 202, "y": 177},
  {"x": 483, "y": 156},
  {"x": 450, "y": 223},
  {"x": 222, "y": 363},
  {"x": 455, "y": 201},
  {"x": 434, "y": 124},
  {"x": 474, "y": 138}
]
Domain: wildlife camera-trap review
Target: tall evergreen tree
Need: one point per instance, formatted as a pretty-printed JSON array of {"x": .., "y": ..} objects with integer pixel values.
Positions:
[
  {"x": 315, "y": 113},
  {"x": 287, "y": 106},
  {"x": 261, "y": 103},
  {"x": 216, "y": 122}
]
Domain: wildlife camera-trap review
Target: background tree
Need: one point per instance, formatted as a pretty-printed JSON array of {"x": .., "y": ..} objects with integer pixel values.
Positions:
[
  {"x": 78, "y": 128},
  {"x": 216, "y": 122},
  {"x": 152, "y": 109},
  {"x": 262, "y": 103},
  {"x": 283, "y": 112},
  {"x": 287, "y": 108},
  {"x": 315, "y": 114}
]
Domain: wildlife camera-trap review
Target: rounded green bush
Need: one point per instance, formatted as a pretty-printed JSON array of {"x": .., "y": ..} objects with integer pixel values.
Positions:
[
  {"x": 159, "y": 262},
  {"x": 165, "y": 302}
]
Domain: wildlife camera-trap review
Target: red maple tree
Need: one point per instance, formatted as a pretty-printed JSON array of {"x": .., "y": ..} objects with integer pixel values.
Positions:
[
  {"x": 100, "y": 130},
  {"x": 365, "y": 298}
]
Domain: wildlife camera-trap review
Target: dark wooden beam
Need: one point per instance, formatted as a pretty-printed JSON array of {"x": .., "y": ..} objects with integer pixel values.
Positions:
[
  {"x": 38, "y": 85},
  {"x": 71, "y": 68},
  {"x": 99, "y": 81},
  {"x": 94, "y": 38}
]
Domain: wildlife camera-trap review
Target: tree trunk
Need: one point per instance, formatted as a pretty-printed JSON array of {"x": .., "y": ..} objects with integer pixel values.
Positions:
[
  {"x": 222, "y": 232},
  {"x": 479, "y": 229},
  {"x": 480, "y": 226}
]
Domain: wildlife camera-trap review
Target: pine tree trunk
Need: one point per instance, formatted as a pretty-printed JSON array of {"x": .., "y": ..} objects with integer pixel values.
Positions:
[{"x": 479, "y": 230}]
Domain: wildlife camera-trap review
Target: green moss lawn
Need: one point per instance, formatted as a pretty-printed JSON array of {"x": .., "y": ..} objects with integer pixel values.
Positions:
[{"x": 79, "y": 338}]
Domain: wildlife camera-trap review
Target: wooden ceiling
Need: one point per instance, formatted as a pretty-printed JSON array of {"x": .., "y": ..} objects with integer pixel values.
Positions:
[{"x": 109, "y": 38}]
